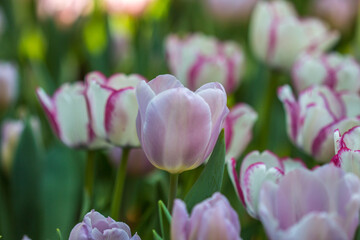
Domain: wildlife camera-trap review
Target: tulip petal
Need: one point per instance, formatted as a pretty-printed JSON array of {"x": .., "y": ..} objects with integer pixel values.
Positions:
[
  {"x": 179, "y": 223},
  {"x": 164, "y": 82}
]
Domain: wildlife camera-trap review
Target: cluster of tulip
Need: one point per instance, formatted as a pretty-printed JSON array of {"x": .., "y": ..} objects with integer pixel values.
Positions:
[{"x": 174, "y": 123}]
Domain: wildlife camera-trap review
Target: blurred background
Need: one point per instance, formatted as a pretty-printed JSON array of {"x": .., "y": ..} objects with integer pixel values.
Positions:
[{"x": 45, "y": 43}]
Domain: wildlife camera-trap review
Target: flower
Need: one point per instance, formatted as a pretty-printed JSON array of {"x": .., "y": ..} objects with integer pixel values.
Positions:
[
  {"x": 95, "y": 226},
  {"x": 277, "y": 35},
  {"x": 238, "y": 125},
  {"x": 178, "y": 128},
  {"x": 339, "y": 13},
  {"x": 65, "y": 12},
  {"x": 138, "y": 164},
  {"x": 312, "y": 119},
  {"x": 69, "y": 103},
  {"x": 113, "y": 107},
  {"x": 197, "y": 59},
  {"x": 231, "y": 10},
  {"x": 255, "y": 170},
  {"x": 130, "y": 7},
  {"x": 8, "y": 84},
  {"x": 11, "y": 131},
  {"x": 333, "y": 70},
  {"x": 347, "y": 148},
  {"x": 211, "y": 219},
  {"x": 319, "y": 204}
]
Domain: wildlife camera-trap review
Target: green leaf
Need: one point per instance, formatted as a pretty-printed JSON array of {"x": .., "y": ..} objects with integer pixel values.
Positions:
[
  {"x": 164, "y": 225},
  {"x": 357, "y": 233},
  {"x": 211, "y": 177},
  {"x": 61, "y": 190},
  {"x": 25, "y": 186},
  {"x": 59, "y": 234},
  {"x": 156, "y": 236}
]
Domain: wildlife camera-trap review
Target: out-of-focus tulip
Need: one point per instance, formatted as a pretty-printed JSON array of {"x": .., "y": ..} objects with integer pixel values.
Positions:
[
  {"x": 67, "y": 112},
  {"x": 64, "y": 11},
  {"x": 25, "y": 237},
  {"x": 231, "y": 10},
  {"x": 198, "y": 59},
  {"x": 130, "y": 7},
  {"x": 333, "y": 70},
  {"x": 138, "y": 164},
  {"x": 238, "y": 129},
  {"x": 178, "y": 128},
  {"x": 312, "y": 119},
  {"x": 322, "y": 204},
  {"x": 339, "y": 13},
  {"x": 10, "y": 136},
  {"x": 277, "y": 35},
  {"x": 8, "y": 84},
  {"x": 95, "y": 226},
  {"x": 113, "y": 107},
  {"x": 211, "y": 219},
  {"x": 256, "y": 169},
  {"x": 347, "y": 148}
]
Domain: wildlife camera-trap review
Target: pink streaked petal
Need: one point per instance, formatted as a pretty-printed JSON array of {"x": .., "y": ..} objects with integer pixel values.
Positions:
[
  {"x": 231, "y": 167},
  {"x": 49, "y": 108},
  {"x": 351, "y": 138},
  {"x": 120, "y": 80},
  {"x": 337, "y": 140},
  {"x": 177, "y": 139},
  {"x": 95, "y": 76}
]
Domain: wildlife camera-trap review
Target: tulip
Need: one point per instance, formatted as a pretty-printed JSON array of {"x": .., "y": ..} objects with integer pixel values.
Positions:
[
  {"x": 113, "y": 107},
  {"x": 238, "y": 125},
  {"x": 65, "y": 12},
  {"x": 277, "y": 35},
  {"x": 256, "y": 169},
  {"x": 340, "y": 73},
  {"x": 178, "y": 128},
  {"x": 231, "y": 10},
  {"x": 8, "y": 84},
  {"x": 96, "y": 227},
  {"x": 138, "y": 164},
  {"x": 312, "y": 119},
  {"x": 322, "y": 204},
  {"x": 69, "y": 103},
  {"x": 130, "y": 7},
  {"x": 10, "y": 136},
  {"x": 347, "y": 148},
  {"x": 211, "y": 219},
  {"x": 197, "y": 59},
  {"x": 341, "y": 14}
]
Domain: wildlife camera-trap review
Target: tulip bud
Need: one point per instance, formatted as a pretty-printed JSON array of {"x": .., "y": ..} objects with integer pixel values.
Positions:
[
  {"x": 277, "y": 35},
  {"x": 178, "y": 128},
  {"x": 322, "y": 204},
  {"x": 129, "y": 7},
  {"x": 347, "y": 148},
  {"x": 8, "y": 84},
  {"x": 69, "y": 103},
  {"x": 138, "y": 164},
  {"x": 231, "y": 10},
  {"x": 238, "y": 129},
  {"x": 197, "y": 59},
  {"x": 65, "y": 12},
  {"x": 255, "y": 170},
  {"x": 10, "y": 136},
  {"x": 211, "y": 219},
  {"x": 333, "y": 70},
  {"x": 312, "y": 119},
  {"x": 113, "y": 107},
  {"x": 341, "y": 14},
  {"x": 96, "y": 227}
]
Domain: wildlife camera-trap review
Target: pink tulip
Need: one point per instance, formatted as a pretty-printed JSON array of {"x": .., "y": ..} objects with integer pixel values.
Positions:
[
  {"x": 197, "y": 59},
  {"x": 130, "y": 7},
  {"x": 8, "y": 84},
  {"x": 178, "y": 128},
  {"x": 256, "y": 169},
  {"x": 322, "y": 204},
  {"x": 278, "y": 35},
  {"x": 231, "y": 10},
  {"x": 238, "y": 129},
  {"x": 313, "y": 117},
  {"x": 113, "y": 107},
  {"x": 333, "y": 70}
]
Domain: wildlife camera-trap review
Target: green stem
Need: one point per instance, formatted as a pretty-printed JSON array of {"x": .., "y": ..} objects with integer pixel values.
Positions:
[
  {"x": 119, "y": 184},
  {"x": 89, "y": 183},
  {"x": 172, "y": 191}
]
